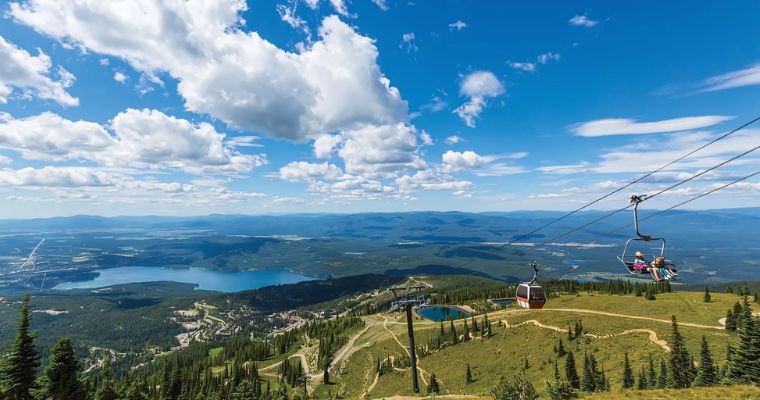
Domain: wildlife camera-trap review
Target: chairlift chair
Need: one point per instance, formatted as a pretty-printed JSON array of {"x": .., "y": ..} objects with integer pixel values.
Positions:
[
  {"x": 530, "y": 294},
  {"x": 627, "y": 258}
]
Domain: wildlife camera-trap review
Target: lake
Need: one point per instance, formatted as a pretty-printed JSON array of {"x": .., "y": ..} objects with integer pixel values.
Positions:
[
  {"x": 206, "y": 279},
  {"x": 442, "y": 313}
]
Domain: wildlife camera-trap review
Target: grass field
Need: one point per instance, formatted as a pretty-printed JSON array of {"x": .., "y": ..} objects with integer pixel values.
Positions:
[{"x": 613, "y": 325}]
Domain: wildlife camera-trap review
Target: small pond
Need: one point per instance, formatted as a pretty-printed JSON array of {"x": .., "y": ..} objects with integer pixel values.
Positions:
[{"x": 442, "y": 313}]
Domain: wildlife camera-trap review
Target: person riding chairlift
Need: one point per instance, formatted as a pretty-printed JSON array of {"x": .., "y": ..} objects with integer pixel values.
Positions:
[
  {"x": 639, "y": 264},
  {"x": 662, "y": 269}
]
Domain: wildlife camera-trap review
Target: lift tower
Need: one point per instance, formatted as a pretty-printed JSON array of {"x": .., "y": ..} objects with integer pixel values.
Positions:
[{"x": 407, "y": 297}]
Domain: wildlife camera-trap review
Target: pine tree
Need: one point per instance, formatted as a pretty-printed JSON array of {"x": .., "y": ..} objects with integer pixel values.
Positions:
[
  {"x": 738, "y": 315},
  {"x": 19, "y": 366},
  {"x": 107, "y": 387},
  {"x": 663, "y": 380},
  {"x": 468, "y": 375},
  {"x": 707, "y": 297},
  {"x": 643, "y": 381},
  {"x": 746, "y": 359},
  {"x": 560, "y": 390},
  {"x": 60, "y": 380},
  {"x": 589, "y": 378},
  {"x": 707, "y": 375},
  {"x": 561, "y": 349},
  {"x": 680, "y": 365},
  {"x": 326, "y": 376},
  {"x": 526, "y": 364},
  {"x": 433, "y": 387},
  {"x": 571, "y": 373},
  {"x": 466, "y": 331},
  {"x": 522, "y": 389},
  {"x": 730, "y": 321},
  {"x": 628, "y": 380},
  {"x": 454, "y": 335}
]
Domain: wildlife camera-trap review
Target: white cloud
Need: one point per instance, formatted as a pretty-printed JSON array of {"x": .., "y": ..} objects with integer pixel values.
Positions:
[
  {"x": 332, "y": 84},
  {"x": 458, "y": 25},
  {"x": 5, "y": 160},
  {"x": 409, "y": 45},
  {"x": 146, "y": 139},
  {"x": 624, "y": 126},
  {"x": 55, "y": 177},
  {"x": 48, "y": 136},
  {"x": 381, "y": 151},
  {"x": 427, "y": 140},
  {"x": 546, "y": 57},
  {"x": 650, "y": 154},
  {"x": 436, "y": 104},
  {"x": 32, "y": 75},
  {"x": 120, "y": 77},
  {"x": 454, "y": 161},
  {"x": 582, "y": 20},
  {"x": 454, "y": 139},
  {"x": 324, "y": 145},
  {"x": 288, "y": 15},
  {"x": 478, "y": 86},
  {"x": 381, "y": 4},
  {"x": 104, "y": 62},
  {"x": 743, "y": 77},
  {"x": 313, "y": 4},
  {"x": 242, "y": 141},
  {"x": 523, "y": 66},
  {"x": 340, "y": 7},
  {"x": 300, "y": 171},
  {"x": 431, "y": 180}
]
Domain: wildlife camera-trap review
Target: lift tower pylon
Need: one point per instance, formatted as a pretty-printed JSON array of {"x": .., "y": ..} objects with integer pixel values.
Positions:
[{"x": 408, "y": 296}]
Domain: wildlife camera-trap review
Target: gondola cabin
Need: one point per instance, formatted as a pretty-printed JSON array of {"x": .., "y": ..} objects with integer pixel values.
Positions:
[{"x": 530, "y": 295}]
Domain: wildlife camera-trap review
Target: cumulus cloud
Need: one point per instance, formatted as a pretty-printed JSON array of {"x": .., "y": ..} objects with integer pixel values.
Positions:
[
  {"x": 325, "y": 145},
  {"x": 288, "y": 15},
  {"x": 531, "y": 66},
  {"x": 546, "y": 57},
  {"x": 431, "y": 180},
  {"x": 478, "y": 86},
  {"x": 624, "y": 126},
  {"x": 236, "y": 76},
  {"x": 300, "y": 171},
  {"x": 582, "y": 20},
  {"x": 55, "y": 177},
  {"x": 458, "y": 25},
  {"x": 119, "y": 77},
  {"x": 340, "y": 7},
  {"x": 32, "y": 75},
  {"x": 381, "y": 151},
  {"x": 146, "y": 139},
  {"x": 454, "y": 161}
]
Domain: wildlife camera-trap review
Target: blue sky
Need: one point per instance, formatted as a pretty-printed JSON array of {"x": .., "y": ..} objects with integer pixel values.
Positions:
[{"x": 188, "y": 108}]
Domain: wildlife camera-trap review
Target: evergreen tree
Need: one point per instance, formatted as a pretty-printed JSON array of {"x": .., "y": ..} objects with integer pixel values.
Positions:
[
  {"x": 663, "y": 380},
  {"x": 628, "y": 380},
  {"x": 526, "y": 364},
  {"x": 107, "y": 386},
  {"x": 433, "y": 387},
  {"x": 707, "y": 297},
  {"x": 589, "y": 380},
  {"x": 707, "y": 375},
  {"x": 738, "y": 315},
  {"x": 556, "y": 371},
  {"x": 652, "y": 375},
  {"x": 561, "y": 349},
  {"x": 60, "y": 380},
  {"x": 746, "y": 359},
  {"x": 730, "y": 321},
  {"x": 643, "y": 381},
  {"x": 680, "y": 363},
  {"x": 522, "y": 389},
  {"x": 466, "y": 332},
  {"x": 571, "y": 373},
  {"x": 454, "y": 335},
  {"x": 468, "y": 375},
  {"x": 560, "y": 390},
  {"x": 326, "y": 376},
  {"x": 19, "y": 366}
]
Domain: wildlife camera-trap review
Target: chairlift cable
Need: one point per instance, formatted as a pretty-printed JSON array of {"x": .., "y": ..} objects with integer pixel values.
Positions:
[
  {"x": 691, "y": 199},
  {"x": 697, "y": 175},
  {"x": 637, "y": 180}
]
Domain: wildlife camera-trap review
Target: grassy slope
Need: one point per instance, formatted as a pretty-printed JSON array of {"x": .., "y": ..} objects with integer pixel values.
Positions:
[{"x": 505, "y": 351}]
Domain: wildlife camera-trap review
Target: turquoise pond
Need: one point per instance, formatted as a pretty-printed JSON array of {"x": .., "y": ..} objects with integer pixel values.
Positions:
[
  {"x": 442, "y": 313},
  {"x": 206, "y": 279}
]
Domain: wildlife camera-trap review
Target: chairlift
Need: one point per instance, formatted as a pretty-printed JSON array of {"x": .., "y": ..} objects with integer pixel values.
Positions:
[
  {"x": 530, "y": 294},
  {"x": 647, "y": 267}
]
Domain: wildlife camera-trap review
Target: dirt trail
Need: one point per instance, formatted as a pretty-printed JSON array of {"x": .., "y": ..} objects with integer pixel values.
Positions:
[
  {"x": 664, "y": 321},
  {"x": 652, "y": 334},
  {"x": 341, "y": 357},
  {"x": 406, "y": 349}
]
